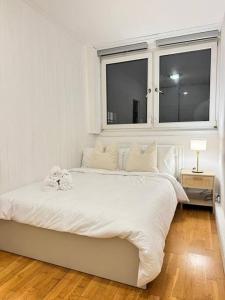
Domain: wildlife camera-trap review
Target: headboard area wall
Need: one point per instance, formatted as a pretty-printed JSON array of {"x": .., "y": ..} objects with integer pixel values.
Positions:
[
  {"x": 42, "y": 89},
  {"x": 208, "y": 159}
]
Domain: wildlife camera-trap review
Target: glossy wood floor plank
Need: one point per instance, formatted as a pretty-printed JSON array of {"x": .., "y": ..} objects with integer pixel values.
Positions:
[{"x": 192, "y": 270}]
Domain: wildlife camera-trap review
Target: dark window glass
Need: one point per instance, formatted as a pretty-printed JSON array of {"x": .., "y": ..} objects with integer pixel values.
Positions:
[
  {"x": 184, "y": 89},
  {"x": 126, "y": 84}
]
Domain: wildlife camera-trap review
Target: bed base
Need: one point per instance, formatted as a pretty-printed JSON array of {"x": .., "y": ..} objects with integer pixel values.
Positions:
[{"x": 114, "y": 258}]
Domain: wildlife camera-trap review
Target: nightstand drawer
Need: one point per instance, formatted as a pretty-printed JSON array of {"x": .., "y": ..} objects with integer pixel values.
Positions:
[{"x": 198, "y": 182}]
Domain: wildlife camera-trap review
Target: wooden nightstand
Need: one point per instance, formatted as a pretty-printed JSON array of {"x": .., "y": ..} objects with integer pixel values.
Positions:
[{"x": 200, "y": 187}]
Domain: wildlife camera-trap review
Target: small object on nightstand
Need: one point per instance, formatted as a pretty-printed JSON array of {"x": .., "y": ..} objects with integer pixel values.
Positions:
[
  {"x": 200, "y": 187},
  {"x": 198, "y": 145}
]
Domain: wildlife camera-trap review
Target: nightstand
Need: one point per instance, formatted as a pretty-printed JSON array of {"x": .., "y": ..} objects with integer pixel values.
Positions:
[{"x": 200, "y": 187}]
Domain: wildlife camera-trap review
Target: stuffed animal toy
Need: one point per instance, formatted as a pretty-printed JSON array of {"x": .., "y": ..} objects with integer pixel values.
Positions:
[{"x": 59, "y": 179}]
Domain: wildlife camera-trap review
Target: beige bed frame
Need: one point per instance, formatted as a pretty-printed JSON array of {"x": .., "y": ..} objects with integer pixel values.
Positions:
[{"x": 114, "y": 258}]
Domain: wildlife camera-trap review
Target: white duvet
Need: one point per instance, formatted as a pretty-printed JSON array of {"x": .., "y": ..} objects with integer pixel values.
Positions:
[{"x": 134, "y": 206}]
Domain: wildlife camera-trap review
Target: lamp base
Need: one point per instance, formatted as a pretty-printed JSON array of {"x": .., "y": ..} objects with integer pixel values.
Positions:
[{"x": 195, "y": 171}]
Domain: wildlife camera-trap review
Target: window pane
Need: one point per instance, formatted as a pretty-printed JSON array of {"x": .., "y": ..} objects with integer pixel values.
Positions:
[
  {"x": 184, "y": 89},
  {"x": 126, "y": 92}
]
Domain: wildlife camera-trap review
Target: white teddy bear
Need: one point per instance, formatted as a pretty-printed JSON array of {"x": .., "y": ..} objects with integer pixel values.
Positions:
[{"x": 59, "y": 179}]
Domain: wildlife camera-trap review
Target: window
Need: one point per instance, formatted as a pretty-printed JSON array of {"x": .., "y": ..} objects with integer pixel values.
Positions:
[
  {"x": 182, "y": 92},
  {"x": 126, "y": 87},
  {"x": 184, "y": 85},
  {"x": 185, "y": 79}
]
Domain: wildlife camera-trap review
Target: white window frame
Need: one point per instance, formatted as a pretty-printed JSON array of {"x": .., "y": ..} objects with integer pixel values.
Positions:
[
  {"x": 153, "y": 83},
  {"x": 212, "y": 102},
  {"x": 127, "y": 57}
]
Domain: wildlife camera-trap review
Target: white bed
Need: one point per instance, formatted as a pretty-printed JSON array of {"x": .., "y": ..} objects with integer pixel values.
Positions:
[{"x": 129, "y": 211}]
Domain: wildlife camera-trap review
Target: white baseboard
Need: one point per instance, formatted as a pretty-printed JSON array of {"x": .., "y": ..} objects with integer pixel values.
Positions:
[{"x": 220, "y": 222}]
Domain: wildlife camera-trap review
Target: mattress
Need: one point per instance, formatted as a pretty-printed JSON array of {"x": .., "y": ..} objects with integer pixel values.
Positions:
[{"x": 138, "y": 207}]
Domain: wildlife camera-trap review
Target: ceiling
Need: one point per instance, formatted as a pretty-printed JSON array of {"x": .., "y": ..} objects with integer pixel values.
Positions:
[{"x": 99, "y": 22}]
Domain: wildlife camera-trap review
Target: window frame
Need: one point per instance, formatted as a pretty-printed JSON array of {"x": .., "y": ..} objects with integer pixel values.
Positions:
[
  {"x": 153, "y": 56},
  {"x": 123, "y": 58},
  {"x": 213, "y": 79}
]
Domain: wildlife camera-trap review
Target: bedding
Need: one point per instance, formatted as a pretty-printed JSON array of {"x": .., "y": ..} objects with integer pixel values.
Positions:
[
  {"x": 87, "y": 154},
  {"x": 166, "y": 158},
  {"x": 104, "y": 157},
  {"x": 138, "y": 207},
  {"x": 142, "y": 160}
]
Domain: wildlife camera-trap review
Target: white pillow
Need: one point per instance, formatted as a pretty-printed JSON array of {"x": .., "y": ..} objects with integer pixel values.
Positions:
[
  {"x": 123, "y": 154},
  {"x": 166, "y": 160},
  {"x": 86, "y": 157},
  {"x": 140, "y": 160},
  {"x": 88, "y": 152},
  {"x": 104, "y": 157}
]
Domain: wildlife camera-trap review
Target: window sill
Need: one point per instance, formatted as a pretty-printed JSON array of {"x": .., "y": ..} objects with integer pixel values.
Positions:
[{"x": 158, "y": 131}]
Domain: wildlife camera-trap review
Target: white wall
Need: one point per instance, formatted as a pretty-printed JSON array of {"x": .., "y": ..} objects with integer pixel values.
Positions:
[
  {"x": 220, "y": 208},
  {"x": 42, "y": 96},
  {"x": 42, "y": 101},
  {"x": 208, "y": 159},
  {"x": 92, "y": 69},
  {"x": 222, "y": 114}
]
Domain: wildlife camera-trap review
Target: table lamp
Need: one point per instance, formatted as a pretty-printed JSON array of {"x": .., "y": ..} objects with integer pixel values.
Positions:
[{"x": 198, "y": 145}]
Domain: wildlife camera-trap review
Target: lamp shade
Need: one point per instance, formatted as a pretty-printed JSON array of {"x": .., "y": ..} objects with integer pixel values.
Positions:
[{"x": 198, "y": 145}]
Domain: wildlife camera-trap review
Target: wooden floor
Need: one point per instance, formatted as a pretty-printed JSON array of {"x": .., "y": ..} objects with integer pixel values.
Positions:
[{"x": 192, "y": 269}]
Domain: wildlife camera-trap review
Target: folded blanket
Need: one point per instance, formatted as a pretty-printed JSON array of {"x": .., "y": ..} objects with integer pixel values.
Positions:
[
  {"x": 59, "y": 179},
  {"x": 65, "y": 181}
]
